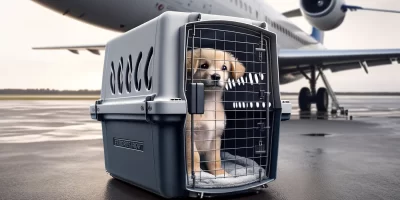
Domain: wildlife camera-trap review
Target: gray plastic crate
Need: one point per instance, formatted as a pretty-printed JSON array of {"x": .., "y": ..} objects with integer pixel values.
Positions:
[{"x": 145, "y": 96}]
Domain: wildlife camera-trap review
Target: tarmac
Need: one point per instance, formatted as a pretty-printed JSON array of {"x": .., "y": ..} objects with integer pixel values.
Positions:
[{"x": 53, "y": 150}]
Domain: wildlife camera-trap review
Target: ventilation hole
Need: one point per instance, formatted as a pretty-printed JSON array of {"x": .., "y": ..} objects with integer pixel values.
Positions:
[
  {"x": 128, "y": 75},
  {"x": 120, "y": 75},
  {"x": 251, "y": 104},
  {"x": 233, "y": 83},
  {"x": 263, "y": 104},
  {"x": 238, "y": 82},
  {"x": 234, "y": 105},
  {"x": 150, "y": 83},
  {"x": 269, "y": 103},
  {"x": 256, "y": 78},
  {"x": 229, "y": 83},
  {"x": 226, "y": 86},
  {"x": 246, "y": 80},
  {"x": 112, "y": 78},
  {"x": 257, "y": 104},
  {"x": 251, "y": 78},
  {"x": 138, "y": 83},
  {"x": 147, "y": 80},
  {"x": 262, "y": 76},
  {"x": 242, "y": 79},
  {"x": 244, "y": 106}
]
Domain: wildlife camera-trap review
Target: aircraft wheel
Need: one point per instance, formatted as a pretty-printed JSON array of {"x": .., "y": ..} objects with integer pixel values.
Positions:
[
  {"x": 322, "y": 99},
  {"x": 304, "y": 99}
]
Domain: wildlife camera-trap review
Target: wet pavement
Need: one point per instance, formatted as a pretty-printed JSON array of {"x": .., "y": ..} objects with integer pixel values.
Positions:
[{"x": 53, "y": 150}]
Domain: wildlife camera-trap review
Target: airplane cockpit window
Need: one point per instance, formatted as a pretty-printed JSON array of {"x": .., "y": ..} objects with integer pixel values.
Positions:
[
  {"x": 250, "y": 9},
  {"x": 245, "y": 6},
  {"x": 257, "y": 14}
]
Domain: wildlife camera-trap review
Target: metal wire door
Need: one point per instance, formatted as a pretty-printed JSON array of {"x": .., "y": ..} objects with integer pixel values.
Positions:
[{"x": 235, "y": 138}]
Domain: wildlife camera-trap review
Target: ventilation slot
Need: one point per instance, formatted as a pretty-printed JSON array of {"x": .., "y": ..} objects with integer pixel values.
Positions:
[
  {"x": 120, "y": 75},
  {"x": 147, "y": 80},
  {"x": 112, "y": 78},
  {"x": 128, "y": 75},
  {"x": 138, "y": 82}
]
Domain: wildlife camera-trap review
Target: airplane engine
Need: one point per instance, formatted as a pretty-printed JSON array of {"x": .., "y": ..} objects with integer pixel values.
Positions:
[{"x": 323, "y": 14}]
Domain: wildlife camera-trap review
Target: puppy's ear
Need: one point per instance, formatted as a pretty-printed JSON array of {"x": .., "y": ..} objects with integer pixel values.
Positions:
[
  {"x": 189, "y": 65},
  {"x": 237, "y": 68}
]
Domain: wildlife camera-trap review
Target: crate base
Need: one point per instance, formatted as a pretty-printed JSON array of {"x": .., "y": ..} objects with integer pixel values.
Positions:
[
  {"x": 206, "y": 193},
  {"x": 132, "y": 184}
]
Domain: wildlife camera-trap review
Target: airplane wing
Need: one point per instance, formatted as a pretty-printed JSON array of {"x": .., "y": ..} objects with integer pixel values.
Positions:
[
  {"x": 293, "y": 13},
  {"x": 95, "y": 49},
  {"x": 295, "y": 60}
]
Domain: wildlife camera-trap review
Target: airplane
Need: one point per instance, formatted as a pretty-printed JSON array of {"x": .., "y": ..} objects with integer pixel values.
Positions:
[{"x": 300, "y": 55}]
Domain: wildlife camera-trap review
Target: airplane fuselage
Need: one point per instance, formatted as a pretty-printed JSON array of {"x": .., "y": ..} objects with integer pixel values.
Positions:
[{"x": 123, "y": 15}]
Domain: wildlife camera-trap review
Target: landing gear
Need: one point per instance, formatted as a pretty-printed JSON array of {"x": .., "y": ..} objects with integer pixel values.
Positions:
[
  {"x": 304, "y": 99},
  {"x": 307, "y": 96},
  {"x": 322, "y": 99}
]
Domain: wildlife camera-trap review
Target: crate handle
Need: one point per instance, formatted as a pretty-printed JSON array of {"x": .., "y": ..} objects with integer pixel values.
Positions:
[{"x": 147, "y": 107}]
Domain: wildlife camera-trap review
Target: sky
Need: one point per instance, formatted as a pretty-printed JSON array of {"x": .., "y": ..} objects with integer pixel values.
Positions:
[{"x": 26, "y": 24}]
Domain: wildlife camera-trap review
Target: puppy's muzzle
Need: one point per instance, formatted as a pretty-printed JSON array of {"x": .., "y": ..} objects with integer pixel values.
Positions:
[{"x": 215, "y": 79}]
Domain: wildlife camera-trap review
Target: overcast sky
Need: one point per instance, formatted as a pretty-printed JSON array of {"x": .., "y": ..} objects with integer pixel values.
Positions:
[{"x": 26, "y": 24}]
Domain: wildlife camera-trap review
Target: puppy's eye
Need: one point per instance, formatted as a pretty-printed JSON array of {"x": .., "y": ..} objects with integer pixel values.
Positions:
[
  {"x": 224, "y": 67},
  {"x": 204, "y": 66}
]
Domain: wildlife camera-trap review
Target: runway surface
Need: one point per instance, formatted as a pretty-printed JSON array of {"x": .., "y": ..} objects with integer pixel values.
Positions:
[{"x": 53, "y": 150}]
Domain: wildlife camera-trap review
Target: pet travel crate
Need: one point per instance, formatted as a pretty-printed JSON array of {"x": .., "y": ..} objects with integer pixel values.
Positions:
[{"x": 182, "y": 78}]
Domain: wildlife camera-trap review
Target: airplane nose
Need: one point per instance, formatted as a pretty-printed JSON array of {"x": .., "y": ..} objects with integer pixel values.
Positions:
[{"x": 215, "y": 77}]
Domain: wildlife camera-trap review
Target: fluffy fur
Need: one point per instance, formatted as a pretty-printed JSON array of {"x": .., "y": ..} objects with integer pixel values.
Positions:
[{"x": 209, "y": 127}]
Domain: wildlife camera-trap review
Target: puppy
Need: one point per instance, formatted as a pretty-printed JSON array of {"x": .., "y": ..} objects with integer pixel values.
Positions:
[{"x": 213, "y": 68}]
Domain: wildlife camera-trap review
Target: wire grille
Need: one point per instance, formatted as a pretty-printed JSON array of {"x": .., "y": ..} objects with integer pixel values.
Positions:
[{"x": 233, "y": 64}]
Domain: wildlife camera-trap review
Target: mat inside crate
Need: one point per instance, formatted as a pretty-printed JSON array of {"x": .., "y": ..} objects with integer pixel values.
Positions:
[{"x": 240, "y": 171}]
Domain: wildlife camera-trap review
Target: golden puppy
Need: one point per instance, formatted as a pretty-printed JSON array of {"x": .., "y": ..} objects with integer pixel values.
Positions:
[{"x": 213, "y": 68}]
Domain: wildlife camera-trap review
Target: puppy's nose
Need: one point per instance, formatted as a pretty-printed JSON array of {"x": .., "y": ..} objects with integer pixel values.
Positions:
[{"x": 215, "y": 77}]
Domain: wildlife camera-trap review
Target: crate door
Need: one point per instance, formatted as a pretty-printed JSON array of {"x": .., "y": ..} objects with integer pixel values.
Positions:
[{"x": 231, "y": 66}]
